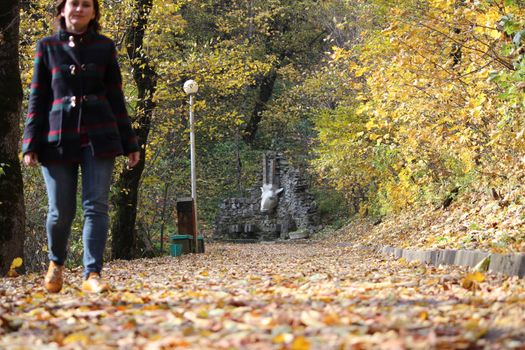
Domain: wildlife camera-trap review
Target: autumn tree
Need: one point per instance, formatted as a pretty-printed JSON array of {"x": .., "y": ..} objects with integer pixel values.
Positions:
[
  {"x": 289, "y": 33},
  {"x": 12, "y": 211},
  {"x": 126, "y": 198}
]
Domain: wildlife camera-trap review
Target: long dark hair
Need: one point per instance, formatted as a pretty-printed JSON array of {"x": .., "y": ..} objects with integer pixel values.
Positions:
[{"x": 61, "y": 22}]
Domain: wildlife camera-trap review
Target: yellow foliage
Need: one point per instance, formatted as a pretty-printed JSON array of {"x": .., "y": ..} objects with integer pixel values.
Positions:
[{"x": 426, "y": 87}]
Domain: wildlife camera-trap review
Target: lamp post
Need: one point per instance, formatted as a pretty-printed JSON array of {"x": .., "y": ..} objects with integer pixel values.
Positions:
[{"x": 190, "y": 88}]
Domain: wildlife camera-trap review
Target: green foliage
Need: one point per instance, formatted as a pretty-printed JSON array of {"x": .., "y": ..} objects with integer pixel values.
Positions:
[{"x": 333, "y": 206}]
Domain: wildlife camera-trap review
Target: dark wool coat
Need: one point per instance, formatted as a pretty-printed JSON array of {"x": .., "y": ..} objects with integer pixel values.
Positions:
[{"x": 77, "y": 86}]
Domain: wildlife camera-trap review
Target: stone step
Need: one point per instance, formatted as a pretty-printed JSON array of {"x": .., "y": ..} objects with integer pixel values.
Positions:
[{"x": 507, "y": 264}]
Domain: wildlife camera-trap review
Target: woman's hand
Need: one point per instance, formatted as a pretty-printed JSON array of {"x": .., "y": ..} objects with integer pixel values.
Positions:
[
  {"x": 133, "y": 159},
  {"x": 31, "y": 159}
]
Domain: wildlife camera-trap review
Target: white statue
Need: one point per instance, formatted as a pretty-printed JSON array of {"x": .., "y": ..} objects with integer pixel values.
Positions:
[{"x": 269, "y": 197}]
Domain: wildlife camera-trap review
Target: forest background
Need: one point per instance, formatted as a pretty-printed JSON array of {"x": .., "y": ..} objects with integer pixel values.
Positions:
[{"x": 389, "y": 107}]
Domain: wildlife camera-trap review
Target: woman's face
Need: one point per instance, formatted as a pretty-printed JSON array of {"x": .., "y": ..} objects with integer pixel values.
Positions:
[{"x": 78, "y": 14}]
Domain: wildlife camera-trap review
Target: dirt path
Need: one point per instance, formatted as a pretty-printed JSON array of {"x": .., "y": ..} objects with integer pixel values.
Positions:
[{"x": 268, "y": 296}]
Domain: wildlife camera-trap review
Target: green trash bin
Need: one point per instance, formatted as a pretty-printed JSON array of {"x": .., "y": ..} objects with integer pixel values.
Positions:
[
  {"x": 180, "y": 244},
  {"x": 176, "y": 249}
]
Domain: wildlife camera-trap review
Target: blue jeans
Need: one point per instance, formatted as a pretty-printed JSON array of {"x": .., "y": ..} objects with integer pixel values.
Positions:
[{"x": 61, "y": 183}]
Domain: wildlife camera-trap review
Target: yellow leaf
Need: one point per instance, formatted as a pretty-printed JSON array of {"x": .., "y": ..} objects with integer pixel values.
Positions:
[
  {"x": 300, "y": 343},
  {"x": 77, "y": 337},
  {"x": 403, "y": 261},
  {"x": 476, "y": 276},
  {"x": 326, "y": 299},
  {"x": 131, "y": 298},
  {"x": 359, "y": 72},
  {"x": 471, "y": 279},
  {"x": 331, "y": 319},
  {"x": 151, "y": 307},
  {"x": 373, "y": 136},
  {"x": 283, "y": 338},
  {"x": 476, "y": 328},
  {"x": 38, "y": 296},
  {"x": 17, "y": 262}
]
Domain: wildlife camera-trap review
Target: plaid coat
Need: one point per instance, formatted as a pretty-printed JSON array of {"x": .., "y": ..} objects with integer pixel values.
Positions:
[{"x": 77, "y": 86}]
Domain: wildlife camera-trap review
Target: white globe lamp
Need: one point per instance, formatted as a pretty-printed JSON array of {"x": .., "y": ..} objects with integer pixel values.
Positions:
[{"x": 191, "y": 87}]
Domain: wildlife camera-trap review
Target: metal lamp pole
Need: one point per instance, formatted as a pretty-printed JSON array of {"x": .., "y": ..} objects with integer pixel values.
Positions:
[{"x": 191, "y": 88}]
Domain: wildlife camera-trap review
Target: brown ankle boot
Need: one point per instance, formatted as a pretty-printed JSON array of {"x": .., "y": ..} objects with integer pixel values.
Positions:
[
  {"x": 94, "y": 284},
  {"x": 54, "y": 278}
]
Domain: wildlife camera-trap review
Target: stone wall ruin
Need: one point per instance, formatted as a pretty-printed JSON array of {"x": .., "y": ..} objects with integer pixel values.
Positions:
[{"x": 296, "y": 214}]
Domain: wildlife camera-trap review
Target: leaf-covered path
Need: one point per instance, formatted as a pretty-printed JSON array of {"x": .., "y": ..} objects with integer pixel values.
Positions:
[{"x": 268, "y": 296}]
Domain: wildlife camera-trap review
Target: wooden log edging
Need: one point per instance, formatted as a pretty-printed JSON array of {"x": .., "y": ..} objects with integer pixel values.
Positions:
[{"x": 508, "y": 264}]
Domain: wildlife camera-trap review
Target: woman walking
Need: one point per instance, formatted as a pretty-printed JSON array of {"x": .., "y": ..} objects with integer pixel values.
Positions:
[{"x": 77, "y": 119}]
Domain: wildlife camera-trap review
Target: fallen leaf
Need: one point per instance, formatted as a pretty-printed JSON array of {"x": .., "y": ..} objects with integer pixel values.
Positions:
[
  {"x": 471, "y": 280},
  {"x": 283, "y": 338},
  {"x": 300, "y": 343},
  {"x": 17, "y": 262},
  {"x": 131, "y": 298},
  {"x": 77, "y": 337},
  {"x": 311, "y": 318}
]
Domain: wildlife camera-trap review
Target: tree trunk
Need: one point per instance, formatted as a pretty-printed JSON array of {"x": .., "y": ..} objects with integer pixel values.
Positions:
[
  {"x": 12, "y": 211},
  {"x": 265, "y": 93},
  {"x": 124, "y": 235}
]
